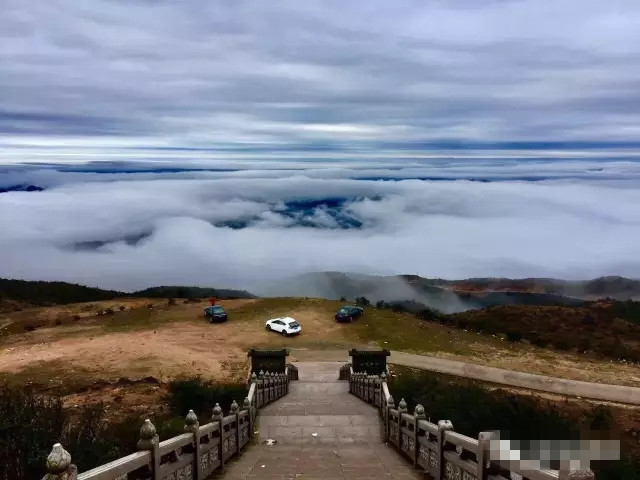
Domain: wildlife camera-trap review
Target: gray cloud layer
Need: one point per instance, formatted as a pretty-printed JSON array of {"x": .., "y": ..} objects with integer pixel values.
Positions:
[
  {"x": 313, "y": 73},
  {"x": 246, "y": 228}
]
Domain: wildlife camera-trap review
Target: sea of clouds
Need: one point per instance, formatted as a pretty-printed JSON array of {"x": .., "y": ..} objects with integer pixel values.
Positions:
[{"x": 133, "y": 225}]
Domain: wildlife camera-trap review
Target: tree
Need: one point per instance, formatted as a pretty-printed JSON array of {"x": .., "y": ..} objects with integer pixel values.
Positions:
[{"x": 363, "y": 301}]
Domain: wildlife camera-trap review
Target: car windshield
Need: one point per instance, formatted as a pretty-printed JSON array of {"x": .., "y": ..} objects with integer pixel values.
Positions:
[
  {"x": 294, "y": 324},
  {"x": 217, "y": 309},
  {"x": 345, "y": 309}
]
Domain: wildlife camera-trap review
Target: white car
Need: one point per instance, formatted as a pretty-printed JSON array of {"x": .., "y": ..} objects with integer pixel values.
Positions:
[{"x": 284, "y": 325}]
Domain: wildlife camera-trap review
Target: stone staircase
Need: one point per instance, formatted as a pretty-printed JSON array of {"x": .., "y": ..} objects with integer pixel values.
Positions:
[{"x": 321, "y": 432}]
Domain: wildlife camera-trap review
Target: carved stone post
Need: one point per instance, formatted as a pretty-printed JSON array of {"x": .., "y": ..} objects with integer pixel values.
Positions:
[
  {"x": 274, "y": 386},
  {"x": 191, "y": 425},
  {"x": 217, "y": 417},
  {"x": 387, "y": 421},
  {"x": 443, "y": 425},
  {"x": 402, "y": 408},
  {"x": 246, "y": 405},
  {"x": 267, "y": 387},
  {"x": 149, "y": 441},
  {"x": 483, "y": 455},
  {"x": 419, "y": 414},
  {"x": 383, "y": 379},
  {"x": 260, "y": 389},
  {"x": 233, "y": 410},
  {"x": 59, "y": 465}
]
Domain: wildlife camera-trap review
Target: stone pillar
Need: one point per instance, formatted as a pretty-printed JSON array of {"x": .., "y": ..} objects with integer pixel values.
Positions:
[
  {"x": 192, "y": 425},
  {"x": 217, "y": 417},
  {"x": 418, "y": 414},
  {"x": 443, "y": 425},
  {"x": 402, "y": 408},
  {"x": 383, "y": 379},
  {"x": 233, "y": 410},
  {"x": 260, "y": 389},
  {"x": 246, "y": 405},
  {"x": 149, "y": 441},
  {"x": 484, "y": 460},
  {"x": 387, "y": 420},
  {"x": 59, "y": 465}
]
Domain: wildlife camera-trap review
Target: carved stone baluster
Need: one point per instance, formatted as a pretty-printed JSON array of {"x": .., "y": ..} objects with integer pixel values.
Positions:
[
  {"x": 192, "y": 425},
  {"x": 443, "y": 425},
  {"x": 483, "y": 460},
  {"x": 418, "y": 414},
  {"x": 246, "y": 405},
  {"x": 234, "y": 410},
  {"x": 217, "y": 417},
  {"x": 383, "y": 379},
  {"x": 149, "y": 441},
  {"x": 390, "y": 404},
  {"x": 402, "y": 408},
  {"x": 59, "y": 465}
]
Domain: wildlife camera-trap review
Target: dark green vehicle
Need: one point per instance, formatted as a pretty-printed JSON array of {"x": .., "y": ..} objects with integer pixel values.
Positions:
[
  {"x": 215, "y": 314},
  {"x": 348, "y": 313}
]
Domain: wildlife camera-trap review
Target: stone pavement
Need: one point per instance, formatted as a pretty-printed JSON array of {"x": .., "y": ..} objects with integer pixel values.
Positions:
[{"x": 322, "y": 433}]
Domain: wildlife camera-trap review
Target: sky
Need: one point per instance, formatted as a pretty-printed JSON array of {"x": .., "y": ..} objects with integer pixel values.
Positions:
[{"x": 229, "y": 143}]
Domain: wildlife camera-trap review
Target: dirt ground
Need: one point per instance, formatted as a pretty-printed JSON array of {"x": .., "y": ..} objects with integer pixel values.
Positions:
[{"x": 165, "y": 342}]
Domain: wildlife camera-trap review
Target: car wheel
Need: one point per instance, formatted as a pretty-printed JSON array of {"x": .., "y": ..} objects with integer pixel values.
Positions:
[
  {"x": 284, "y": 333},
  {"x": 269, "y": 328}
]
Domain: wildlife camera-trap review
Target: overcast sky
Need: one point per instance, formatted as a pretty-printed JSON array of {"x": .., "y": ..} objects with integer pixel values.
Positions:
[{"x": 103, "y": 79}]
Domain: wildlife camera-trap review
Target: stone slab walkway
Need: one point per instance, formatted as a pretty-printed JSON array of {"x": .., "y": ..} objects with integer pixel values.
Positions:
[{"x": 322, "y": 433}]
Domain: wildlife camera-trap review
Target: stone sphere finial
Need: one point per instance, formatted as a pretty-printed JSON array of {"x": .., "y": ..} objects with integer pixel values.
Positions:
[
  {"x": 191, "y": 422},
  {"x": 402, "y": 405},
  {"x": 217, "y": 410},
  {"x": 148, "y": 435},
  {"x": 391, "y": 402},
  {"x": 234, "y": 408},
  {"x": 383, "y": 376},
  {"x": 261, "y": 374},
  {"x": 246, "y": 404},
  {"x": 254, "y": 377},
  {"x": 58, "y": 460},
  {"x": 418, "y": 412}
]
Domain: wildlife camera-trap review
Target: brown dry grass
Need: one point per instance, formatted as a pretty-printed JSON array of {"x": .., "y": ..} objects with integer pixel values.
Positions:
[{"x": 170, "y": 341}]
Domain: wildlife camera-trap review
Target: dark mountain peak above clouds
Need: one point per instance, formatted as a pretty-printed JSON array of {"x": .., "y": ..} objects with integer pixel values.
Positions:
[{"x": 21, "y": 188}]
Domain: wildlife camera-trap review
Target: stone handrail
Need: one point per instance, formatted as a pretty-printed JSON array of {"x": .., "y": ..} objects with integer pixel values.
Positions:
[
  {"x": 436, "y": 448},
  {"x": 194, "y": 455}
]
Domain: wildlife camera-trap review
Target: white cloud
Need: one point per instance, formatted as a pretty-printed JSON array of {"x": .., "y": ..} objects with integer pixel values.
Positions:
[{"x": 565, "y": 227}]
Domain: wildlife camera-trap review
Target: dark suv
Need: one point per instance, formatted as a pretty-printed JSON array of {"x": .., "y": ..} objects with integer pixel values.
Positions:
[
  {"x": 215, "y": 314},
  {"x": 348, "y": 313}
]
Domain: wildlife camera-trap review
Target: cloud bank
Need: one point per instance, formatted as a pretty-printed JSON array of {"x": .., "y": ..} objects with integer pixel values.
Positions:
[{"x": 246, "y": 228}]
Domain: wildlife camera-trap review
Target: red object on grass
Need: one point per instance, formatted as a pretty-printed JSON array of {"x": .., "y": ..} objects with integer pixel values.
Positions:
[{"x": 212, "y": 301}]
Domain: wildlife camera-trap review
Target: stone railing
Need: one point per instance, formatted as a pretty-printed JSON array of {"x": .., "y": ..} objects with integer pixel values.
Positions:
[
  {"x": 436, "y": 448},
  {"x": 194, "y": 455}
]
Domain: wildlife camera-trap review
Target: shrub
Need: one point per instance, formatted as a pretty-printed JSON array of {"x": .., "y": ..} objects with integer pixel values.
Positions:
[
  {"x": 342, "y": 299},
  {"x": 30, "y": 424},
  {"x": 362, "y": 301},
  {"x": 201, "y": 395},
  {"x": 171, "y": 301},
  {"x": 429, "y": 315},
  {"x": 514, "y": 336},
  {"x": 381, "y": 304}
]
